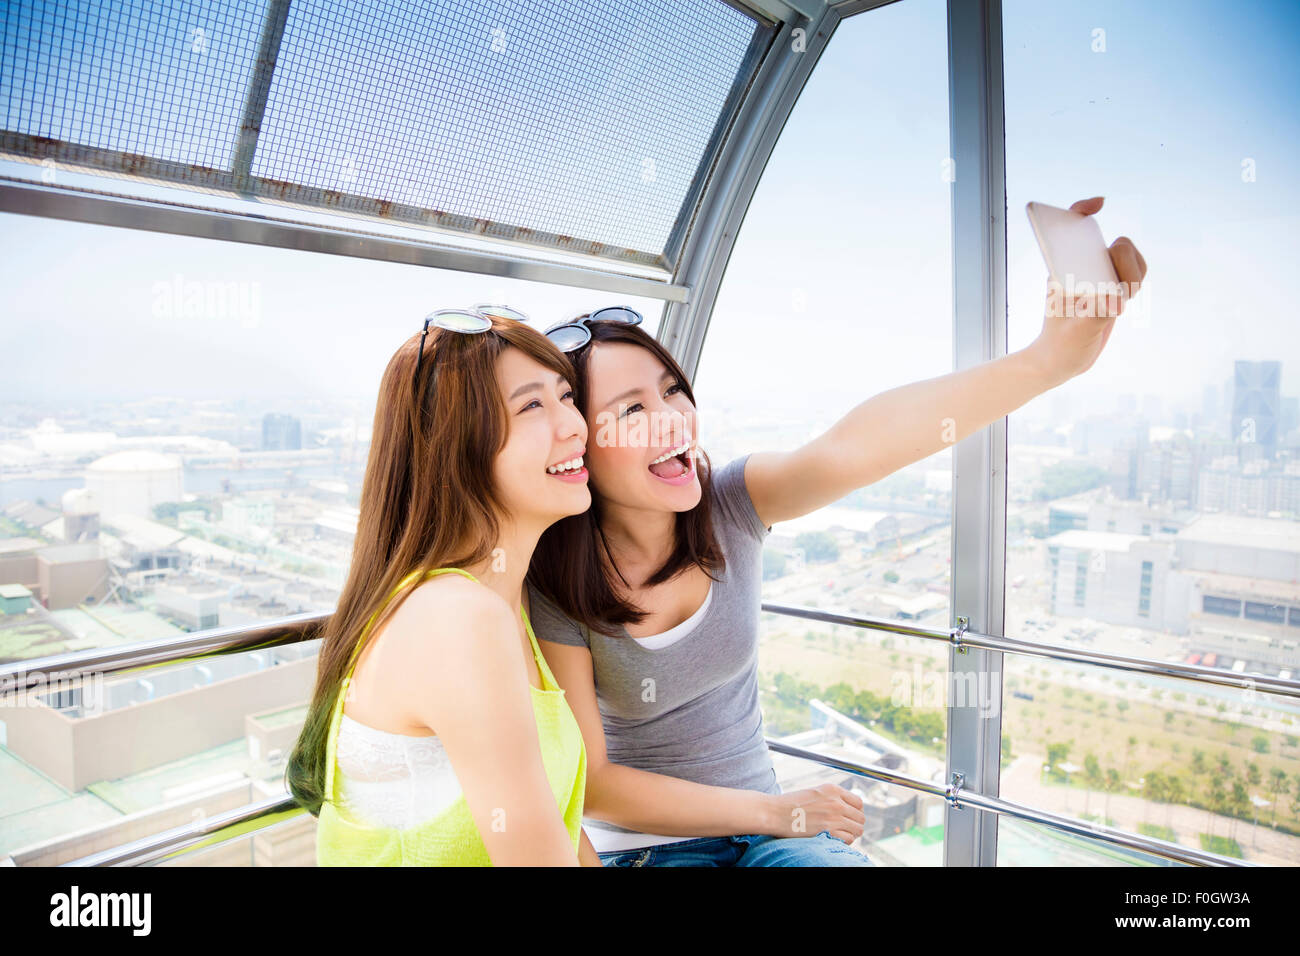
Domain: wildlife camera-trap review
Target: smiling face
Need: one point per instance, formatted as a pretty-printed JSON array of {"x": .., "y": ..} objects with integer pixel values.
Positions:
[
  {"x": 540, "y": 472},
  {"x": 643, "y": 453}
]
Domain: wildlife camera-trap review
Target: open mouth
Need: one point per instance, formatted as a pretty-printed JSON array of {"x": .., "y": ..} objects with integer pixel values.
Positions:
[
  {"x": 572, "y": 470},
  {"x": 676, "y": 466}
]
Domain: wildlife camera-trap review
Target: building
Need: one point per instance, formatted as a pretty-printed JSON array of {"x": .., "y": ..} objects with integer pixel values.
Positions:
[
  {"x": 194, "y": 604},
  {"x": 134, "y": 482},
  {"x": 1110, "y": 576},
  {"x": 30, "y": 514},
  {"x": 112, "y": 728},
  {"x": 338, "y": 524},
  {"x": 18, "y": 561},
  {"x": 1246, "y": 619},
  {"x": 59, "y": 576},
  {"x": 1256, "y": 407},
  {"x": 281, "y": 433},
  {"x": 1261, "y": 488},
  {"x": 14, "y": 599},
  {"x": 248, "y": 517},
  {"x": 1228, "y": 582},
  {"x": 138, "y": 544},
  {"x": 80, "y": 516},
  {"x": 71, "y": 574}
]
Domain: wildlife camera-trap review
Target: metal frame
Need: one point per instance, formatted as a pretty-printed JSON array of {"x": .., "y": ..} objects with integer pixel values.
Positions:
[
  {"x": 259, "y": 90},
  {"x": 238, "y": 180},
  {"x": 979, "y": 462},
  {"x": 129, "y": 212}
]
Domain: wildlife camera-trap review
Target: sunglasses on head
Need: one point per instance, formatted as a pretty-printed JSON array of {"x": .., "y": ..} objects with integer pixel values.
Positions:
[
  {"x": 573, "y": 334},
  {"x": 467, "y": 321}
]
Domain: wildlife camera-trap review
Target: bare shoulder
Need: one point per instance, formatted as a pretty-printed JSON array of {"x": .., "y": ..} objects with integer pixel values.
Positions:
[
  {"x": 456, "y": 656},
  {"x": 443, "y": 611}
]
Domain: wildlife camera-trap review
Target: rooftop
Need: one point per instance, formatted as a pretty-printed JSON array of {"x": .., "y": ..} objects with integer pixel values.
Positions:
[
  {"x": 128, "y": 461},
  {"x": 16, "y": 546},
  {"x": 1095, "y": 540},
  {"x": 1247, "y": 587},
  {"x": 1243, "y": 531}
]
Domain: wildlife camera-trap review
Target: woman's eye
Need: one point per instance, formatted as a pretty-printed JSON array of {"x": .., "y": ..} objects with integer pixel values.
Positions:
[
  {"x": 674, "y": 388},
  {"x": 531, "y": 404},
  {"x": 635, "y": 406},
  {"x": 569, "y": 394}
]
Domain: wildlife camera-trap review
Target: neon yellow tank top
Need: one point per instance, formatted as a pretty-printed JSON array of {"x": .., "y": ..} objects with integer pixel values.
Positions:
[{"x": 451, "y": 838}]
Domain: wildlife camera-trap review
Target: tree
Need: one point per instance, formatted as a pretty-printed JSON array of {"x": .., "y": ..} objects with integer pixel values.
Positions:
[
  {"x": 1177, "y": 793},
  {"x": 1216, "y": 795},
  {"x": 1056, "y": 755},
  {"x": 1113, "y": 783},
  {"x": 1092, "y": 774},
  {"x": 1238, "y": 804},
  {"x": 1278, "y": 784}
]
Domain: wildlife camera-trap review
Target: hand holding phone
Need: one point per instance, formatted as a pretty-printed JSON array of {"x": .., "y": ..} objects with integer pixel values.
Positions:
[
  {"x": 1078, "y": 262},
  {"x": 1088, "y": 286}
]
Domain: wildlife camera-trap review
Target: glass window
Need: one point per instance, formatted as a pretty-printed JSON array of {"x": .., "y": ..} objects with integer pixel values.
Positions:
[
  {"x": 1199, "y": 168},
  {"x": 1273, "y": 613},
  {"x": 839, "y": 288},
  {"x": 1229, "y": 607},
  {"x": 183, "y": 448}
]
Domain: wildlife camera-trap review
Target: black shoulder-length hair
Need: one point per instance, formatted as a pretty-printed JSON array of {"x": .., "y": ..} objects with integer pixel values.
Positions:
[{"x": 572, "y": 564}]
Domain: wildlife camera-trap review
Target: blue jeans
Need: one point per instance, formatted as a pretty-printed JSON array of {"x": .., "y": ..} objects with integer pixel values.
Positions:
[{"x": 754, "y": 849}]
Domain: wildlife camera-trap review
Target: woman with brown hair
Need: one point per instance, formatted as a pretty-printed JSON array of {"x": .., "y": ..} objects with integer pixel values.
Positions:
[
  {"x": 647, "y": 606},
  {"x": 437, "y": 734}
]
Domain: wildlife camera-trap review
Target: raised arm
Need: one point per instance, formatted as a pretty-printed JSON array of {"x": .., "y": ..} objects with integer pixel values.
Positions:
[
  {"x": 912, "y": 422},
  {"x": 468, "y": 683},
  {"x": 659, "y": 803}
]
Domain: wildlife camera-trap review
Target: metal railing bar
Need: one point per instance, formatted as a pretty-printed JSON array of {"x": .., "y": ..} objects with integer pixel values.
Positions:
[
  {"x": 243, "y": 821},
  {"x": 959, "y": 799},
  {"x": 198, "y": 834},
  {"x": 17, "y": 676},
  {"x": 1011, "y": 645}
]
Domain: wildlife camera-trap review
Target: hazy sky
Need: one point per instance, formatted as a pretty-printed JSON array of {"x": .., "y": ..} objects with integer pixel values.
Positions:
[{"x": 840, "y": 285}]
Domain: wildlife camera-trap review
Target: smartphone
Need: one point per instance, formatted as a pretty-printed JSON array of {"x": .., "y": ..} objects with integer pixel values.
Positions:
[{"x": 1072, "y": 246}]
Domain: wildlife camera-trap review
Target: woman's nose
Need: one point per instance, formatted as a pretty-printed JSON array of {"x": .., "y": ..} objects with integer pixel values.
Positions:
[
  {"x": 572, "y": 424},
  {"x": 674, "y": 428}
]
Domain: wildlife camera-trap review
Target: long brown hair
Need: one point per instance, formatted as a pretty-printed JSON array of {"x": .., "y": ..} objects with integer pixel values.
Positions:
[
  {"x": 567, "y": 564},
  {"x": 427, "y": 500}
]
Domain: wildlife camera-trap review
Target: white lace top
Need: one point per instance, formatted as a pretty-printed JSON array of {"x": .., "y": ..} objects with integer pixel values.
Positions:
[{"x": 392, "y": 780}]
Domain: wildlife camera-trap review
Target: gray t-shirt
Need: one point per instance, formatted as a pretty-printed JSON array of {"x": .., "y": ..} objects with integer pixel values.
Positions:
[{"x": 689, "y": 710}]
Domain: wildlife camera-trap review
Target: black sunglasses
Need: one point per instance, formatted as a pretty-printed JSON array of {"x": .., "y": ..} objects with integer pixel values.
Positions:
[{"x": 573, "y": 334}]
